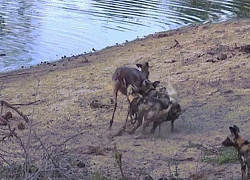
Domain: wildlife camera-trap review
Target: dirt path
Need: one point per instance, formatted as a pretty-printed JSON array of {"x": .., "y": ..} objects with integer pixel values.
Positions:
[{"x": 208, "y": 65}]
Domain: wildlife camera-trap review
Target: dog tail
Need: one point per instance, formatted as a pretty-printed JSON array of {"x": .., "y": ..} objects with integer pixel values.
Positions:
[
  {"x": 173, "y": 94},
  {"x": 171, "y": 90},
  {"x": 164, "y": 112}
]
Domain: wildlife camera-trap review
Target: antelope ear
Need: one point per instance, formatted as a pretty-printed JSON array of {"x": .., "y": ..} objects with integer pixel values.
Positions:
[
  {"x": 147, "y": 64},
  {"x": 155, "y": 83}
]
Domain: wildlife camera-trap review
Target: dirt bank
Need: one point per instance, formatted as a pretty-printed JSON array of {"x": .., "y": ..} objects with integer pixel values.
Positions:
[{"x": 208, "y": 65}]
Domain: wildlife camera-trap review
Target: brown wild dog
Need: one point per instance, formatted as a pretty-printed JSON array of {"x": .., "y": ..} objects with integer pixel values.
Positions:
[
  {"x": 243, "y": 148},
  {"x": 147, "y": 108},
  {"x": 123, "y": 77}
]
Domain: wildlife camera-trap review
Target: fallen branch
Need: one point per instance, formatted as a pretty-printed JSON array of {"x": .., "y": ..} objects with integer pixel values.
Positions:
[
  {"x": 12, "y": 133},
  {"x": 26, "y": 104},
  {"x": 177, "y": 44},
  {"x": 71, "y": 137},
  {"x": 4, "y": 103}
]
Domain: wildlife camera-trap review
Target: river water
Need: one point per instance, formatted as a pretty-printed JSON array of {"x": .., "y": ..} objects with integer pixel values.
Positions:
[{"x": 35, "y": 31}]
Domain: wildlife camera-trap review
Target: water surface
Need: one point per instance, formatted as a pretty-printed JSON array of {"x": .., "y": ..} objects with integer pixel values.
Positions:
[{"x": 45, "y": 30}]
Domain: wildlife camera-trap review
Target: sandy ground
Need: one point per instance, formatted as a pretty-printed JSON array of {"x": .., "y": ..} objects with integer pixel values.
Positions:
[{"x": 207, "y": 64}]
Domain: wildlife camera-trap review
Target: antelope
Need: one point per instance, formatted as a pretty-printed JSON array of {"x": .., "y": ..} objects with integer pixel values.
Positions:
[{"x": 125, "y": 76}]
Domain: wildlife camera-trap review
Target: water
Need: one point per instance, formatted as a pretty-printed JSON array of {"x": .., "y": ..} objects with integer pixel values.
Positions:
[{"x": 45, "y": 30}]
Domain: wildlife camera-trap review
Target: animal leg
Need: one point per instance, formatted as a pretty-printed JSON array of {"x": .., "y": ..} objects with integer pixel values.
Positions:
[
  {"x": 112, "y": 119},
  {"x": 145, "y": 124},
  {"x": 172, "y": 126},
  {"x": 155, "y": 124},
  {"x": 138, "y": 124},
  {"x": 243, "y": 171},
  {"x": 159, "y": 129},
  {"x": 116, "y": 87},
  {"x": 127, "y": 117},
  {"x": 247, "y": 172}
]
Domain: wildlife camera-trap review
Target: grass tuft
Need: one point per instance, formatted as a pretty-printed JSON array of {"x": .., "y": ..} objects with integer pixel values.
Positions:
[{"x": 228, "y": 155}]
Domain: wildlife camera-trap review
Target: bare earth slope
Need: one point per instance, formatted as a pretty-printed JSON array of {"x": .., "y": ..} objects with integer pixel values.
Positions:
[{"x": 208, "y": 65}]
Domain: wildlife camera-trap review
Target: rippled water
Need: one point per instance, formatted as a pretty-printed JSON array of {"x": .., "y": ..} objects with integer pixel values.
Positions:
[{"x": 44, "y": 30}]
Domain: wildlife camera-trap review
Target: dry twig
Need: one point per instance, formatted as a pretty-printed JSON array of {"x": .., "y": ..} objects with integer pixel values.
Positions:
[{"x": 4, "y": 103}]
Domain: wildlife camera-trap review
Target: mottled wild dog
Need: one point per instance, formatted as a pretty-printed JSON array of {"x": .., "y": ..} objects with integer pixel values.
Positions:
[
  {"x": 148, "y": 108},
  {"x": 243, "y": 148},
  {"x": 143, "y": 90},
  {"x": 149, "y": 89},
  {"x": 175, "y": 111},
  {"x": 123, "y": 77},
  {"x": 166, "y": 95}
]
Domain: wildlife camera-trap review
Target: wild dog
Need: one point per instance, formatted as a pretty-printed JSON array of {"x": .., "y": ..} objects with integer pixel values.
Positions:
[
  {"x": 141, "y": 91},
  {"x": 149, "y": 89},
  {"x": 146, "y": 88},
  {"x": 148, "y": 108},
  {"x": 175, "y": 111},
  {"x": 123, "y": 77},
  {"x": 243, "y": 148},
  {"x": 167, "y": 96}
]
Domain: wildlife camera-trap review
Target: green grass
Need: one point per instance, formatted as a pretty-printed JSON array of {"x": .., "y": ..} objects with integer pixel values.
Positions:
[{"x": 228, "y": 155}]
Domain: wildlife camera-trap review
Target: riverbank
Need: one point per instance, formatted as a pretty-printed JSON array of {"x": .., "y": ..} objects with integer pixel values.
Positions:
[{"x": 207, "y": 64}]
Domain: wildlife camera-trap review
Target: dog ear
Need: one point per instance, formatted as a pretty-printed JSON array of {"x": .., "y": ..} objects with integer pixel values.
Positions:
[
  {"x": 234, "y": 131},
  {"x": 155, "y": 83},
  {"x": 231, "y": 129},
  {"x": 236, "y": 128},
  {"x": 134, "y": 88},
  {"x": 131, "y": 89},
  {"x": 139, "y": 65},
  {"x": 145, "y": 82}
]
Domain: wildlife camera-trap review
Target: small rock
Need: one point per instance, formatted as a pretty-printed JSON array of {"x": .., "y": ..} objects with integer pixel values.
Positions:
[
  {"x": 21, "y": 126},
  {"x": 148, "y": 178},
  {"x": 85, "y": 60},
  {"x": 81, "y": 164},
  {"x": 222, "y": 57},
  {"x": 245, "y": 48}
]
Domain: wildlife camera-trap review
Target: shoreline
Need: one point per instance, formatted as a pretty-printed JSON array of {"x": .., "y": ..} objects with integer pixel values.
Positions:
[{"x": 63, "y": 60}]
